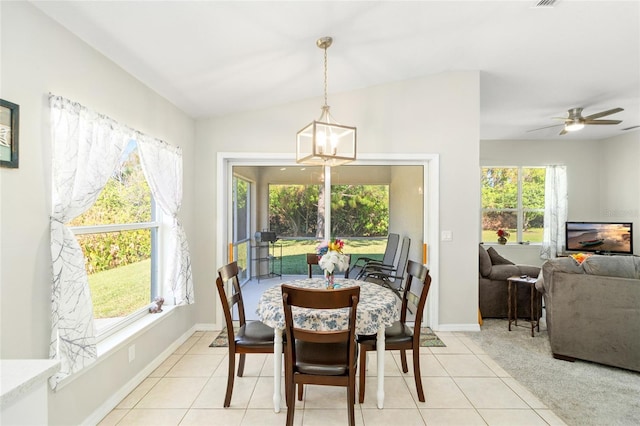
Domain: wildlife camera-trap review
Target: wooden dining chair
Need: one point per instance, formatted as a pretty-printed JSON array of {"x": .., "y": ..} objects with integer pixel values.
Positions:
[
  {"x": 312, "y": 259},
  {"x": 320, "y": 357},
  {"x": 399, "y": 336},
  {"x": 251, "y": 337}
]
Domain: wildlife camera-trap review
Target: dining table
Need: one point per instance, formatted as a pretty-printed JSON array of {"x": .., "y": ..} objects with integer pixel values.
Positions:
[{"x": 378, "y": 308}]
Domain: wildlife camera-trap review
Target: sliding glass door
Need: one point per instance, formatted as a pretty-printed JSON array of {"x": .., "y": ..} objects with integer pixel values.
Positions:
[{"x": 396, "y": 194}]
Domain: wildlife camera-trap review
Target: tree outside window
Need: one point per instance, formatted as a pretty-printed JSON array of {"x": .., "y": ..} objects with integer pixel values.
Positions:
[
  {"x": 356, "y": 210},
  {"x": 513, "y": 200}
]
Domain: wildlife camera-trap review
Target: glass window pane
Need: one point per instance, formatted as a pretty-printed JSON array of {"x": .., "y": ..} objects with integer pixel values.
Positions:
[
  {"x": 126, "y": 198},
  {"x": 294, "y": 210},
  {"x": 492, "y": 221},
  {"x": 359, "y": 210},
  {"x": 533, "y": 227},
  {"x": 240, "y": 215},
  {"x": 533, "y": 188},
  {"x": 242, "y": 253},
  {"x": 119, "y": 269},
  {"x": 499, "y": 188}
]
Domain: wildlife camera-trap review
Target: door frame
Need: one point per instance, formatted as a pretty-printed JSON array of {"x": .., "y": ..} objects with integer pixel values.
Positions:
[{"x": 431, "y": 208}]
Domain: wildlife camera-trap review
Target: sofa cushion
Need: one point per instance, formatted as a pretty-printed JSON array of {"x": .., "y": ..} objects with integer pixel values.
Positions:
[
  {"x": 496, "y": 259},
  {"x": 562, "y": 264},
  {"x": 502, "y": 272},
  {"x": 485, "y": 262},
  {"x": 529, "y": 270},
  {"x": 613, "y": 266}
]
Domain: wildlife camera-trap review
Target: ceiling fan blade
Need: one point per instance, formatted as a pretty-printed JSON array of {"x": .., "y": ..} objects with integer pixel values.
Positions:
[
  {"x": 546, "y": 127},
  {"x": 563, "y": 132},
  {"x": 603, "y": 113},
  {"x": 602, "y": 121}
]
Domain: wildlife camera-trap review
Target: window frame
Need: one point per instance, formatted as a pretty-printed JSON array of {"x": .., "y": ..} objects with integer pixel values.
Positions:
[
  {"x": 154, "y": 226},
  {"x": 155, "y": 290},
  {"x": 519, "y": 210}
]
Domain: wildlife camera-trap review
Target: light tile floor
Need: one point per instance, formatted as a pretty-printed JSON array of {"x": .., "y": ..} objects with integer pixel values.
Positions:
[{"x": 463, "y": 386}]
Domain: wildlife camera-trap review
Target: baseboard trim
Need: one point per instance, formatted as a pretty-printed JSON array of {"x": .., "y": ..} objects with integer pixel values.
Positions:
[
  {"x": 207, "y": 327},
  {"x": 125, "y": 390},
  {"x": 458, "y": 327}
]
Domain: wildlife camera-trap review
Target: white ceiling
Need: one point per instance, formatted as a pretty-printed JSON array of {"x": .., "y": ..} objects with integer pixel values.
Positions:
[{"x": 213, "y": 58}]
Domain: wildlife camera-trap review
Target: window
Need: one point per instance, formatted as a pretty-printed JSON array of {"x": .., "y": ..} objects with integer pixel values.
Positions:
[
  {"x": 241, "y": 223},
  {"x": 118, "y": 236},
  {"x": 513, "y": 200}
]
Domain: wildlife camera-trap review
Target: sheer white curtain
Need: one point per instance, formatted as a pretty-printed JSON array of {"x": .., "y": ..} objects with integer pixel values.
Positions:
[
  {"x": 555, "y": 211},
  {"x": 86, "y": 149},
  {"x": 162, "y": 166}
]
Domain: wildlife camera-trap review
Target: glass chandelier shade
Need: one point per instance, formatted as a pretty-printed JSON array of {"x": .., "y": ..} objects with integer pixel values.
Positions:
[{"x": 325, "y": 142}]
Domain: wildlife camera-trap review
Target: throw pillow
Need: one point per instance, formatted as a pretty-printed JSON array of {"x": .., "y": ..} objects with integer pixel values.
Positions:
[
  {"x": 485, "y": 262},
  {"x": 580, "y": 257},
  {"x": 496, "y": 259}
]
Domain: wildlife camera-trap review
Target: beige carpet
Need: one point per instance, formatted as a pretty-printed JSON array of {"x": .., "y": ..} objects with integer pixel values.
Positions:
[{"x": 581, "y": 393}]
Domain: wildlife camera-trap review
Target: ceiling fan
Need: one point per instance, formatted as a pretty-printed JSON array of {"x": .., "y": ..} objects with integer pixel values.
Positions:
[{"x": 575, "y": 121}]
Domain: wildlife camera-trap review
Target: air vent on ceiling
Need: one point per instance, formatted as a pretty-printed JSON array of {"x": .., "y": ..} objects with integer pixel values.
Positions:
[{"x": 545, "y": 3}]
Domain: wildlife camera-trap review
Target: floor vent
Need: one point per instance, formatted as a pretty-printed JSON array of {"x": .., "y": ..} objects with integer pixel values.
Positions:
[{"x": 545, "y": 3}]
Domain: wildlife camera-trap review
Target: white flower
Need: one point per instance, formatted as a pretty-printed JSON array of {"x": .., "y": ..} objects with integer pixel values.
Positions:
[{"x": 333, "y": 261}]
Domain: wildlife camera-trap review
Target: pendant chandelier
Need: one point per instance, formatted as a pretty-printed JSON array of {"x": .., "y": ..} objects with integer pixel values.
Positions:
[{"x": 325, "y": 142}]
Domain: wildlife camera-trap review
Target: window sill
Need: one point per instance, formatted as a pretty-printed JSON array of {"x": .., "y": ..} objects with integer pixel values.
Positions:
[
  {"x": 490, "y": 243},
  {"x": 120, "y": 339},
  {"x": 130, "y": 332}
]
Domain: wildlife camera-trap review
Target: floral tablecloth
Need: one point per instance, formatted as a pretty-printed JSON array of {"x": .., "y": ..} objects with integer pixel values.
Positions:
[{"x": 377, "y": 306}]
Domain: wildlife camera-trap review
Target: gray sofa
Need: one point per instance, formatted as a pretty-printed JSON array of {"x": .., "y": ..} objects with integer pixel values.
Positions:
[
  {"x": 593, "y": 309},
  {"x": 493, "y": 291}
]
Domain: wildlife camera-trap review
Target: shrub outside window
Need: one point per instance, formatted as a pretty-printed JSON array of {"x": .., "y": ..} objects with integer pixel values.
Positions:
[
  {"x": 118, "y": 236},
  {"x": 513, "y": 200}
]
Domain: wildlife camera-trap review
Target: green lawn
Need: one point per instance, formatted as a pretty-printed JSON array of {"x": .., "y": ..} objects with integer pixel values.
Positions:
[
  {"x": 121, "y": 291},
  {"x": 294, "y": 253}
]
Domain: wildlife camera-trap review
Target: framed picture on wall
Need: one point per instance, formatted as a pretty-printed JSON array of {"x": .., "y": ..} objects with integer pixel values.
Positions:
[{"x": 9, "y": 125}]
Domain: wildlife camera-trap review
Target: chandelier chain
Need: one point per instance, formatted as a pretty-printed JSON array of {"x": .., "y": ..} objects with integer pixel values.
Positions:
[{"x": 325, "y": 76}]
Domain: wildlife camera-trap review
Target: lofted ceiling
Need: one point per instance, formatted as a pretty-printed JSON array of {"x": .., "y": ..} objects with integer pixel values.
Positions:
[{"x": 213, "y": 58}]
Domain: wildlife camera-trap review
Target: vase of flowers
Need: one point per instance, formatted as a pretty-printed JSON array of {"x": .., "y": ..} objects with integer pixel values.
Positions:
[
  {"x": 502, "y": 236},
  {"x": 331, "y": 259}
]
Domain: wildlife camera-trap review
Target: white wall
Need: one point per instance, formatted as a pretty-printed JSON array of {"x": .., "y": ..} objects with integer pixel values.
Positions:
[
  {"x": 620, "y": 182},
  {"x": 414, "y": 116},
  {"x": 406, "y": 204},
  {"x": 37, "y": 57}
]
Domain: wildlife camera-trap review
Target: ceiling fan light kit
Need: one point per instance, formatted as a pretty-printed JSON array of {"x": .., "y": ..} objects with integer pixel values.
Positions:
[
  {"x": 574, "y": 126},
  {"x": 575, "y": 121}
]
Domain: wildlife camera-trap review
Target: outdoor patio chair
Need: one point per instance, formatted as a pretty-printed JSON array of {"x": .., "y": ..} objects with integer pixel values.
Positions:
[{"x": 387, "y": 258}]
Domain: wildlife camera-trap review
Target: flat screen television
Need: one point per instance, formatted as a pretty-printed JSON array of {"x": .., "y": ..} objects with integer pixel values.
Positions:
[{"x": 600, "y": 237}]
